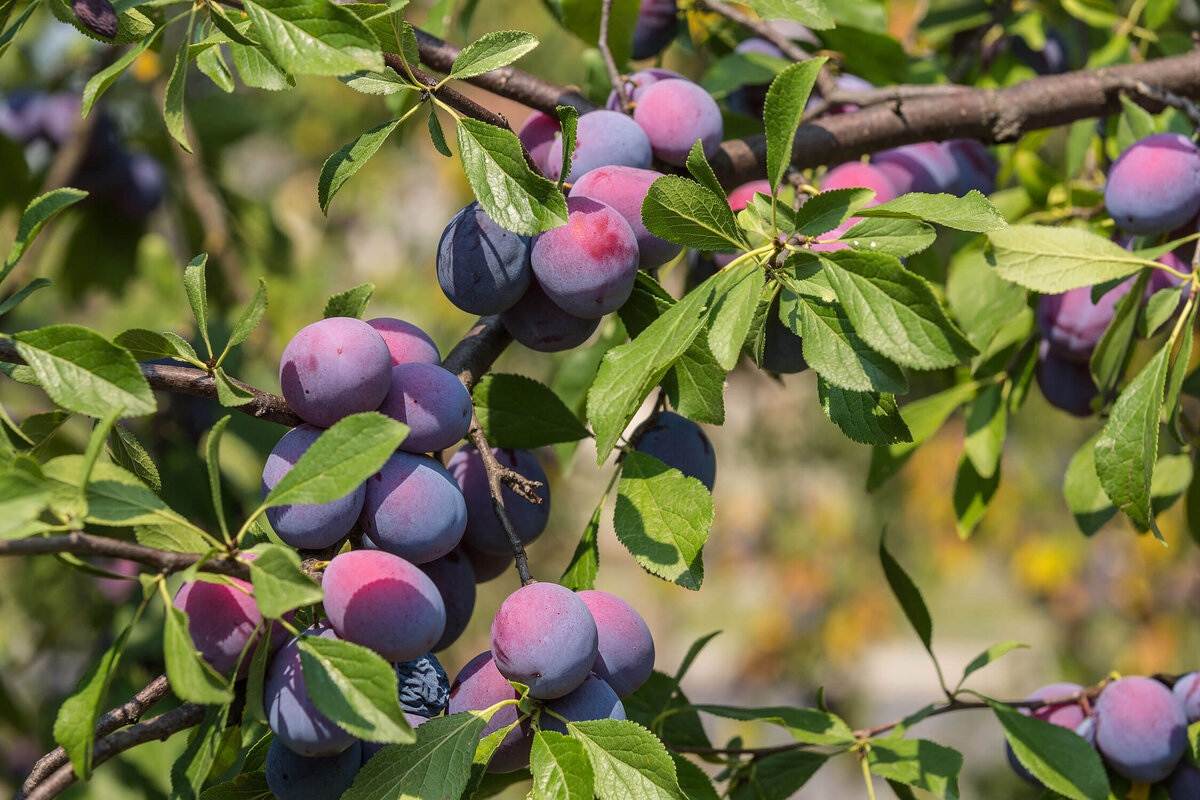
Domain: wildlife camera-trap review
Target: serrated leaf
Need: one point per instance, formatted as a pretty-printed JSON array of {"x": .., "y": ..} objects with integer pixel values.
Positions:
[
  {"x": 980, "y": 300},
  {"x": 806, "y": 725},
  {"x": 229, "y": 394},
  {"x": 250, "y": 318},
  {"x": 129, "y": 453},
  {"x": 629, "y": 762},
  {"x": 908, "y": 595},
  {"x": 1108, "y": 360},
  {"x": 679, "y": 725},
  {"x": 1058, "y": 757},
  {"x": 386, "y": 81},
  {"x": 100, "y": 82},
  {"x": 352, "y": 156},
  {"x": 972, "y": 212},
  {"x": 521, "y": 413},
  {"x": 174, "y": 538},
  {"x": 865, "y": 417},
  {"x": 568, "y": 123},
  {"x": 777, "y": 776},
  {"x": 783, "y": 111},
  {"x": 10, "y": 33},
  {"x": 663, "y": 518},
  {"x": 84, "y": 372},
  {"x": 894, "y": 237},
  {"x": 279, "y": 583},
  {"x": 1052, "y": 260},
  {"x": 341, "y": 458},
  {"x": 917, "y": 762},
  {"x": 825, "y": 211},
  {"x": 350, "y": 303},
  {"x": 516, "y": 198},
  {"x": 702, "y": 171},
  {"x": 192, "y": 679},
  {"x": 212, "y": 463},
  {"x": 833, "y": 348},
  {"x": 258, "y": 69},
  {"x": 247, "y": 786},
  {"x": 493, "y": 50},
  {"x": 684, "y": 212},
  {"x": 813, "y": 13},
  {"x": 145, "y": 345},
  {"x": 560, "y": 767},
  {"x": 192, "y": 768},
  {"x": 581, "y": 573},
  {"x": 895, "y": 311},
  {"x": 40, "y": 211},
  {"x": 436, "y": 134},
  {"x": 1128, "y": 446},
  {"x": 176, "y": 82},
  {"x": 315, "y": 37},
  {"x": 730, "y": 321},
  {"x": 197, "y": 293},
  {"x": 354, "y": 687},
  {"x": 987, "y": 425},
  {"x": 438, "y": 765}
]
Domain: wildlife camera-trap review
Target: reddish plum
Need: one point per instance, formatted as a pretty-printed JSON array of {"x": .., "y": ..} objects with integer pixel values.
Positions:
[
  {"x": 413, "y": 508},
  {"x": 544, "y": 636},
  {"x": 624, "y": 189},
  {"x": 625, "y": 656},
  {"x": 333, "y": 368}
]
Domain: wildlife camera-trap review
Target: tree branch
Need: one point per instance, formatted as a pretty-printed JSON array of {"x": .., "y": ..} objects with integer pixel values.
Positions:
[
  {"x": 127, "y": 713},
  {"x": 493, "y": 469},
  {"x": 610, "y": 64},
  {"x": 85, "y": 544}
]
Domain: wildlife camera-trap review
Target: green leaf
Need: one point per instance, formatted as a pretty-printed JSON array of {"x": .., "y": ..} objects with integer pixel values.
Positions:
[
  {"x": 212, "y": 461},
  {"x": 230, "y": 394},
  {"x": 1128, "y": 446},
  {"x": 982, "y": 303},
  {"x": 1108, "y": 360},
  {"x": 663, "y": 518},
  {"x": 350, "y": 303},
  {"x": 521, "y": 413},
  {"x": 1134, "y": 123},
  {"x": 315, "y": 37},
  {"x": 10, "y": 33},
  {"x": 834, "y": 349},
  {"x": 279, "y": 583},
  {"x": 629, "y": 762},
  {"x": 247, "y": 786},
  {"x": 516, "y": 198},
  {"x": 917, "y": 762},
  {"x": 18, "y": 297},
  {"x": 629, "y": 372},
  {"x": 895, "y": 311},
  {"x": 908, "y": 595},
  {"x": 192, "y": 768},
  {"x": 491, "y": 51},
  {"x": 1175, "y": 377},
  {"x": 191, "y": 677},
  {"x": 987, "y": 425},
  {"x": 39, "y": 212},
  {"x": 355, "y": 688},
  {"x": 825, "y": 211},
  {"x": 75, "y": 724},
  {"x": 84, "y": 372},
  {"x": 128, "y": 452},
  {"x": 1161, "y": 306},
  {"x": 385, "y": 82},
  {"x": 145, "y": 345},
  {"x": 865, "y": 417},
  {"x": 806, "y": 725},
  {"x": 1052, "y": 260},
  {"x": 258, "y": 68},
  {"x": 235, "y": 31},
  {"x": 560, "y": 767},
  {"x": 812, "y": 13},
  {"x": 582, "y": 17},
  {"x": 438, "y": 765},
  {"x": 973, "y": 212},
  {"x": 973, "y": 494},
  {"x": 172, "y": 538},
  {"x": 679, "y": 725},
  {"x": 783, "y": 111},
  {"x": 693, "y": 781},
  {"x": 730, "y": 321},
  {"x": 1058, "y": 757},
  {"x": 924, "y": 418},
  {"x": 436, "y": 134},
  {"x": 1084, "y": 494},
  {"x": 341, "y": 458},
  {"x": 894, "y": 237},
  {"x": 581, "y": 573},
  {"x": 100, "y": 82},
  {"x": 250, "y": 318},
  {"x": 197, "y": 293},
  {"x": 684, "y": 212},
  {"x": 568, "y": 121},
  {"x": 173, "y": 99},
  {"x": 342, "y": 165},
  {"x": 23, "y": 498},
  {"x": 702, "y": 171},
  {"x": 992, "y": 654},
  {"x": 777, "y": 776}
]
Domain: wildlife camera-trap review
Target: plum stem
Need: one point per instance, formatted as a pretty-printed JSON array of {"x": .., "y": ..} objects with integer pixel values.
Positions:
[{"x": 610, "y": 63}]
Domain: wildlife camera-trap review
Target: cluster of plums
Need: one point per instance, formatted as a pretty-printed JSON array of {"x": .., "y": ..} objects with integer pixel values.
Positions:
[
  {"x": 1138, "y": 725},
  {"x": 1153, "y": 189},
  {"x": 131, "y": 183}
]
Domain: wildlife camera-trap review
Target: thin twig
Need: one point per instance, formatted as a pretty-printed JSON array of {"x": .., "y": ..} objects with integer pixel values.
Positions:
[
  {"x": 492, "y": 468},
  {"x": 127, "y": 713},
  {"x": 86, "y": 544},
  {"x": 610, "y": 63},
  {"x": 1167, "y": 98}
]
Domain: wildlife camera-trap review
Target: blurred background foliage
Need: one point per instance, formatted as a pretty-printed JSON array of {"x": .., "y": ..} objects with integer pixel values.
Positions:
[{"x": 792, "y": 575}]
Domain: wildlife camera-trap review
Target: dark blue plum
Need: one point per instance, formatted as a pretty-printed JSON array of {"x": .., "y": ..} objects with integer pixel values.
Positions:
[
  {"x": 1183, "y": 783},
  {"x": 291, "y": 776},
  {"x": 432, "y": 402},
  {"x": 480, "y": 686},
  {"x": 21, "y": 116},
  {"x": 413, "y": 508},
  {"x": 922, "y": 167},
  {"x": 1051, "y": 59},
  {"x": 681, "y": 444},
  {"x": 481, "y": 267},
  {"x": 487, "y": 566},
  {"x": 1141, "y": 729},
  {"x": 625, "y": 656},
  {"x": 1065, "y": 384},
  {"x": 544, "y": 636},
  {"x": 657, "y": 22},
  {"x": 977, "y": 166},
  {"x": 383, "y": 602},
  {"x": 594, "y": 699},
  {"x": 484, "y": 532},
  {"x": 783, "y": 350},
  {"x": 1187, "y": 689},
  {"x": 291, "y": 714},
  {"x": 539, "y": 324},
  {"x": 455, "y": 581},
  {"x": 333, "y": 368},
  {"x": 307, "y": 526},
  {"x": 602, "y": 138},
  {"x": 424, "y": 686},
  {"x": 1154, "y": 187}
]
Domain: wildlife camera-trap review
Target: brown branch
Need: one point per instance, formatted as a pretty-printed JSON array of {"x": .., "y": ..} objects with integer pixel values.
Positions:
[
  {"x": 1165, "y": 98},
  {"x": 610, "y": 64},
  {"x": 451, "y": 97},
  {"x": 492, "y": 467},
  {"x": 127, "y": 713},
  {"x": 188, "y": 715},
  {"x": 85, "y": 544},
  {"x": 479, "y": 348}
]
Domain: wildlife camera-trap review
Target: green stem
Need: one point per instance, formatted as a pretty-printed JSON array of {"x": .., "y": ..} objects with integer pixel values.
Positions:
[{"x": 866, "y": 771}]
